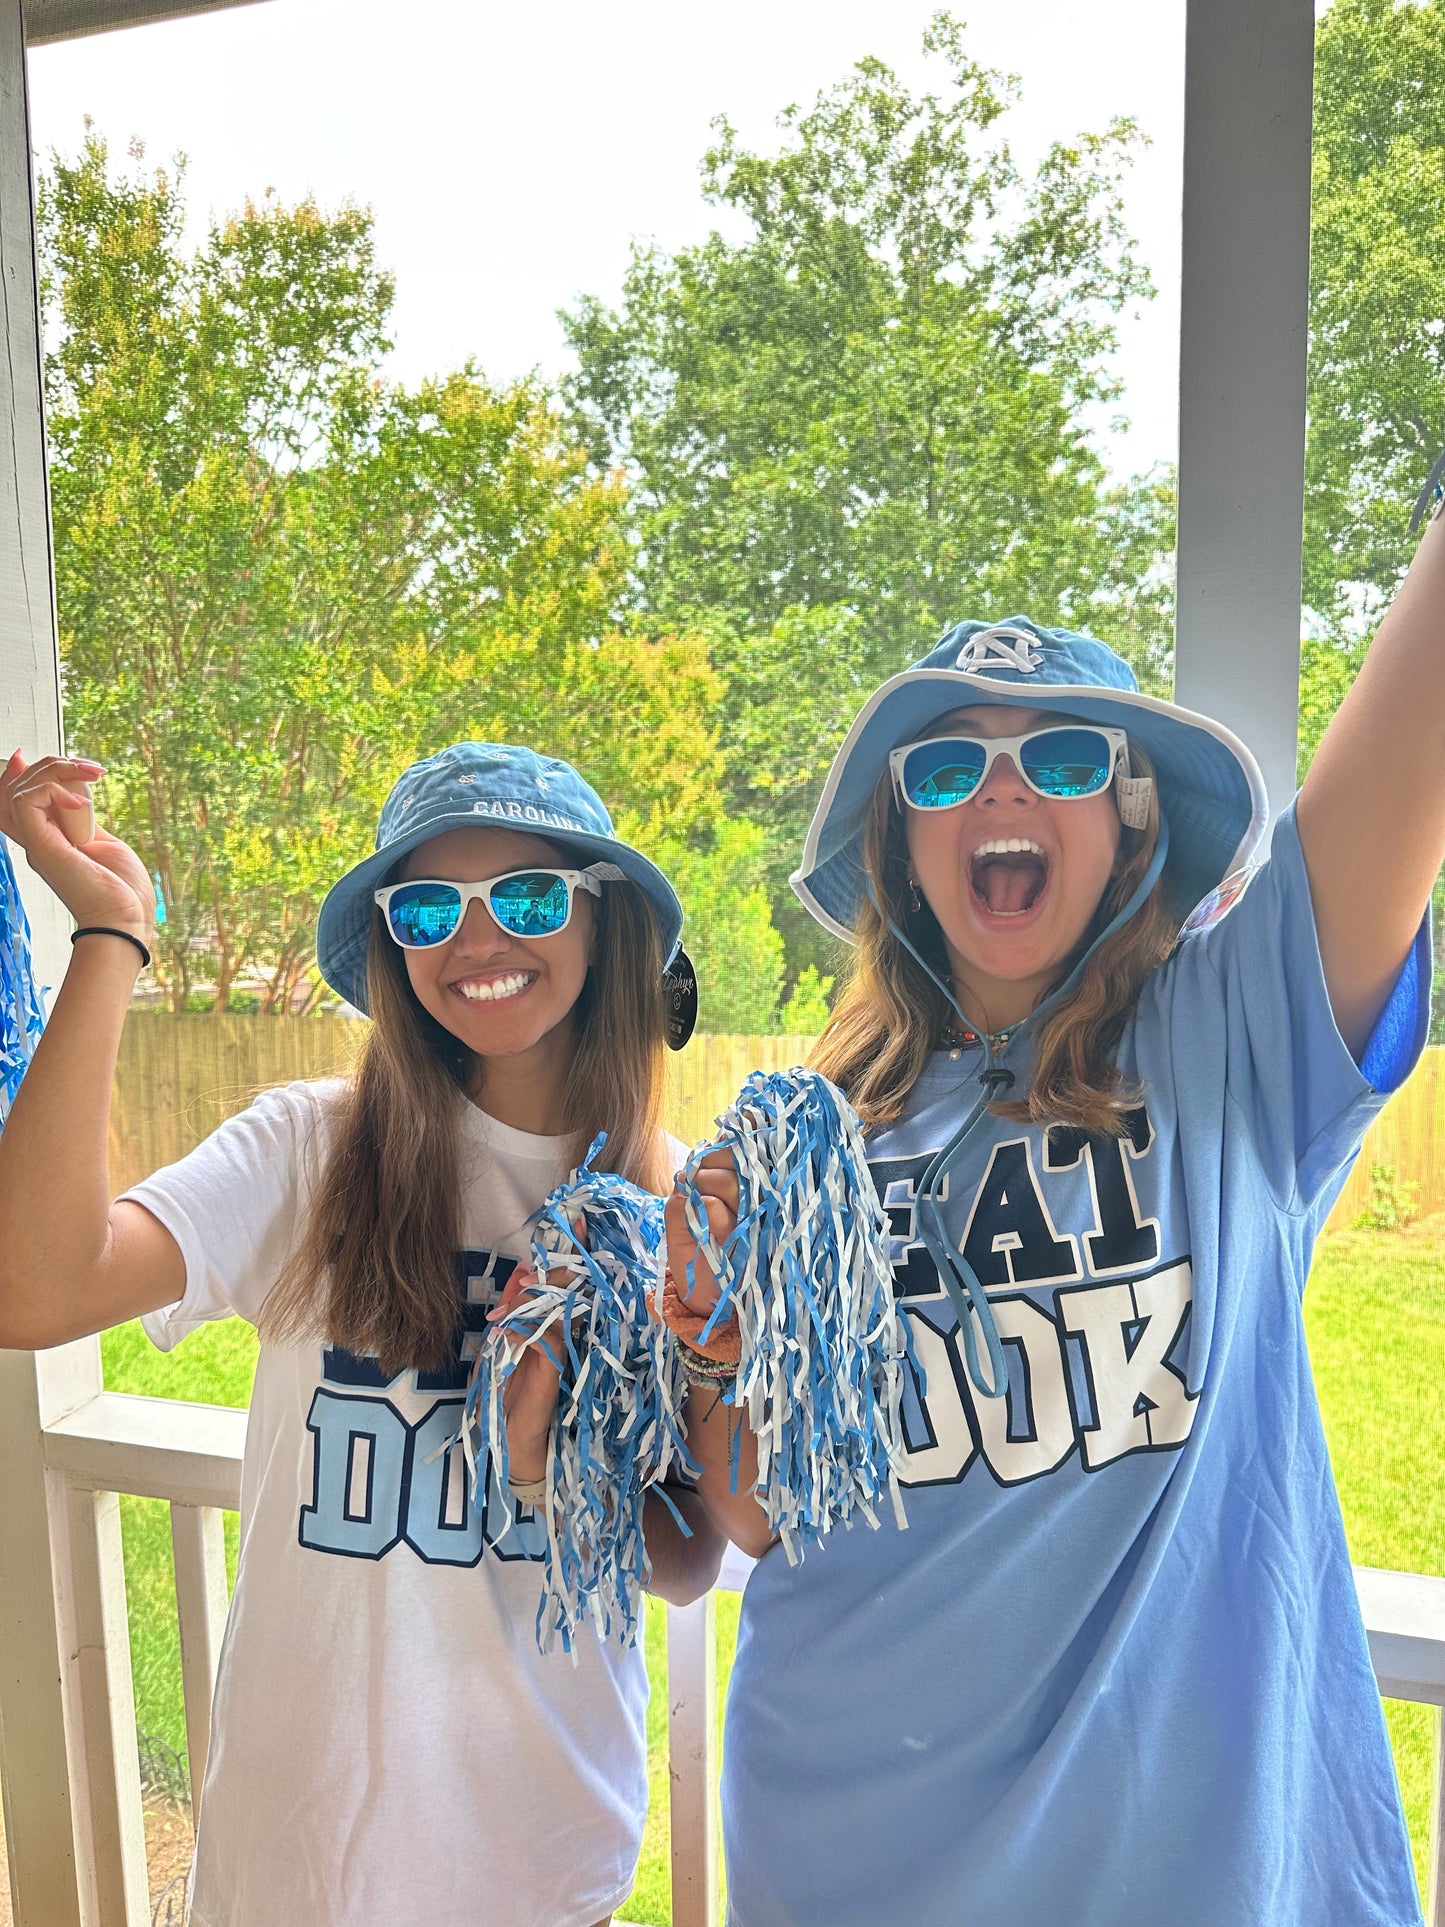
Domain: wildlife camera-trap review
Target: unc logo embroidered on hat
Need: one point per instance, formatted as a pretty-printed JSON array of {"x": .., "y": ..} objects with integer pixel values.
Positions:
[{"x": 1000, "y": 649}]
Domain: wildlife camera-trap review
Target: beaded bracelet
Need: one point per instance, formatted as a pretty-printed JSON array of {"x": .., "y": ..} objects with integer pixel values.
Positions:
[
  {"x": 687, "y": 1326},
  {"x": 700, "y": 1370}
]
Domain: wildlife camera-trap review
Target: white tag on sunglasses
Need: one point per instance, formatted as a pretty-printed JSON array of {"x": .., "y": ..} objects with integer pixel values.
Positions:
[{"x": 1132, "y": 794}]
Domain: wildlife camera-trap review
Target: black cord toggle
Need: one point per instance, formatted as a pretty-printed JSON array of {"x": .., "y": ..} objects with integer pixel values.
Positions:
[{"x": 995, "y": 1080}]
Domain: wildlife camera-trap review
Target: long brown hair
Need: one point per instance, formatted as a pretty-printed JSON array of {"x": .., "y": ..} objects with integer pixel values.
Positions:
[
  {"x": 375, "y": 1270},
  {"x": 890, "y": 1014}
]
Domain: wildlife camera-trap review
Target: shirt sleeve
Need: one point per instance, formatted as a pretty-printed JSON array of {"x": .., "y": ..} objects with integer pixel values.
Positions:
[
  {"x": 1256, "y": 975},
  {"x": 233, "y": 1205}
]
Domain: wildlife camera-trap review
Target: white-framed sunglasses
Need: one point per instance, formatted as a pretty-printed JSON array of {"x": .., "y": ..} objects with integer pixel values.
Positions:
[
  {"x": 535, "y": 902},
  {"x": 1063, "y": 762}
]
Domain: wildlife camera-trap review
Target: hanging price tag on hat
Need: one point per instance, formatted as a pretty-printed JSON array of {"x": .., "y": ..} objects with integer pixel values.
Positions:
[{"x": 679, "y": 992}]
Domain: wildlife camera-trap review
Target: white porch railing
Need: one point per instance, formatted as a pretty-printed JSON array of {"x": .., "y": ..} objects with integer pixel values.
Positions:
[{"x": 190, "y": 1456}]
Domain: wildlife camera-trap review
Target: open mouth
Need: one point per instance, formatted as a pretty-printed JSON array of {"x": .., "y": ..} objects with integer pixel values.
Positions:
[
  {"x": 495, "y": 990},
  {"x": 1008, "y": 876}
]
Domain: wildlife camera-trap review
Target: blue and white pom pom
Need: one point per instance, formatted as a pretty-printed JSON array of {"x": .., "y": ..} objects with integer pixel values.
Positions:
[
  {"x": 807, "y": 1272},
  {"x": 22, "y": 1017},
  {"x": 618, "y": 1431}
]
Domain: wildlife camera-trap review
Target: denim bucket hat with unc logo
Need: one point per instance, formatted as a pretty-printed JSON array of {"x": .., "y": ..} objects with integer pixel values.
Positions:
[
  {"x": 487, "y": 785},
  {"x": 1211, "y": 791}
]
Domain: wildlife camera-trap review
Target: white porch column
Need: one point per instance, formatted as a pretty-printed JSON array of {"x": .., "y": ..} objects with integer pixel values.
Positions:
[
  {"x": 44, "y": 1883},
  {"x": 1249, "y": 73}
]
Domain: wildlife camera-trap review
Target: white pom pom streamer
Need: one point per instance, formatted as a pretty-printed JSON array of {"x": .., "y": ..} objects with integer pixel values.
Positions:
[
  {"x": 807, "y": 1272},
  {"x": 618, "y": 1430},
  {"x": 21, "y": 1016}
]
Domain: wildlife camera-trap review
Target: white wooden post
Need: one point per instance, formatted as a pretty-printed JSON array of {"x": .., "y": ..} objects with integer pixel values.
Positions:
[
  {"x": 692, "y": 1761},
  {"x": 1249, "y": 68},
  {"x": 99, "y": 1707},
  {"x": 33, "y": 1769},
  {"x": 44, "y": 1884},
  {"x": 198, "y": 1539}
]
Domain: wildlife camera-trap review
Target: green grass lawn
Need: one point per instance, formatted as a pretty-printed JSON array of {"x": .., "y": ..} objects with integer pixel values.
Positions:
[
  {"x": 1376, "y": 1318},
  {"x": 1375, "y": 1313}
]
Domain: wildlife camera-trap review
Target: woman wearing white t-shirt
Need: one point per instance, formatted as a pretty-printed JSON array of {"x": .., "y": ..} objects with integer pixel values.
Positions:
[{"x": 388, "y": 1743}]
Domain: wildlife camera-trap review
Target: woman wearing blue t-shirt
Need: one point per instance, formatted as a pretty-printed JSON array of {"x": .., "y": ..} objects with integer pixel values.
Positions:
[{"x": 1114, "y": 1669}]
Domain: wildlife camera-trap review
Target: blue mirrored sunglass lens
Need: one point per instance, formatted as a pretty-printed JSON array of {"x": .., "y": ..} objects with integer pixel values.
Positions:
[
  {"x": 936, "y": 775},
  {"x": 1067, "y": 762},
  {"x": 424, "y": 913},
  {"x": 531, "y": 904}
]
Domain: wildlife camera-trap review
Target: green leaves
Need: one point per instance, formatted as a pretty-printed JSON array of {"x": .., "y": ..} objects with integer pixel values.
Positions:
[
  {"x": 860, "y": 421},
  {"x": 1377, "y": 299},
  {"x": 280, "y": 577},
  {"x": 871, "y": 400},
  {"x": 789, "y": 457}
]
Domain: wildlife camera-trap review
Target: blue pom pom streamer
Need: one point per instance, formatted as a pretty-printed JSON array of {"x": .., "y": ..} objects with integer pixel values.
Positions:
[
  {"x": 22, "y": 1017},
  {"x": 618, "y": 1430},
  {"x": 807, "y": 1273}
]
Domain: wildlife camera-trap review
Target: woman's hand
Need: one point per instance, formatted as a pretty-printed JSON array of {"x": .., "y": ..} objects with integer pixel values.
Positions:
[
  {"x": 717, "y": 1181},
  {"x": 45, "y": 808},
  {"x": 529, "y": 1399}
]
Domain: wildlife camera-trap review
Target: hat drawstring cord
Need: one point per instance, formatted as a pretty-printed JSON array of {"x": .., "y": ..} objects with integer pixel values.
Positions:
[{"x": 962, "y": 1283}]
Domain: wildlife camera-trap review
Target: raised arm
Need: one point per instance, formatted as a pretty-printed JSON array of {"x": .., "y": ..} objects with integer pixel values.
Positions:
[
  {"x": 71, "y": 1262},
  {"x": 1372, "y": 812}
]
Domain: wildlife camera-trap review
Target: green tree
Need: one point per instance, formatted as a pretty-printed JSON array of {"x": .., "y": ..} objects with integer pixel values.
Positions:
[
  {"x": 1327, "y": 669},
  {"x": 720, "y": 875},
  {"x": 281, "y": 577},
  {"x": 806, "y": 1011},
  {"x": 1377, "y": 297},
  {"x": 641, "y": 717},
  {"x": 867, "y": 416}
]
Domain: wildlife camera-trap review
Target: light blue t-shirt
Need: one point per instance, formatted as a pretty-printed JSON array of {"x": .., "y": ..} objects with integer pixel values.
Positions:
[{"x": 1114, "y": 1669}]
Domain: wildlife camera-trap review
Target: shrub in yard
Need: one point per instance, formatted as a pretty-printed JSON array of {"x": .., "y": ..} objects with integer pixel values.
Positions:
[{"x": 1392, "y": 1200}]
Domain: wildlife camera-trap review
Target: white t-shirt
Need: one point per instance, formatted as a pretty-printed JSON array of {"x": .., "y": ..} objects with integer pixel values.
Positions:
[{"x": 388, "y": 1745}]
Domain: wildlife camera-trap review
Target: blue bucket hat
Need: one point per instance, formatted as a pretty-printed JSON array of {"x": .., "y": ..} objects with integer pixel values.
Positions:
[
  {"x": 1211, "y": 792},
  {"x": 471, "y": 786}
]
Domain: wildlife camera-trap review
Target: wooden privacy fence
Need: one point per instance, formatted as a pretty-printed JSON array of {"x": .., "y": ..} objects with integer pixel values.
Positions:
[
  {"x": 179, "y": 1076},
  {"x": 1409, "y": 1134}
]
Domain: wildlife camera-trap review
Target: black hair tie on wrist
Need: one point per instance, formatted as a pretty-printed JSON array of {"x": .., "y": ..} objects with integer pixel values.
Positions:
[{"x": 105, "y": 930}]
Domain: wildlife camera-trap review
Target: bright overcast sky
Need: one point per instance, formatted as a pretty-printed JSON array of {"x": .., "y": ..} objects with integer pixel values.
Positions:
[{"x": 510, "y": 153}]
